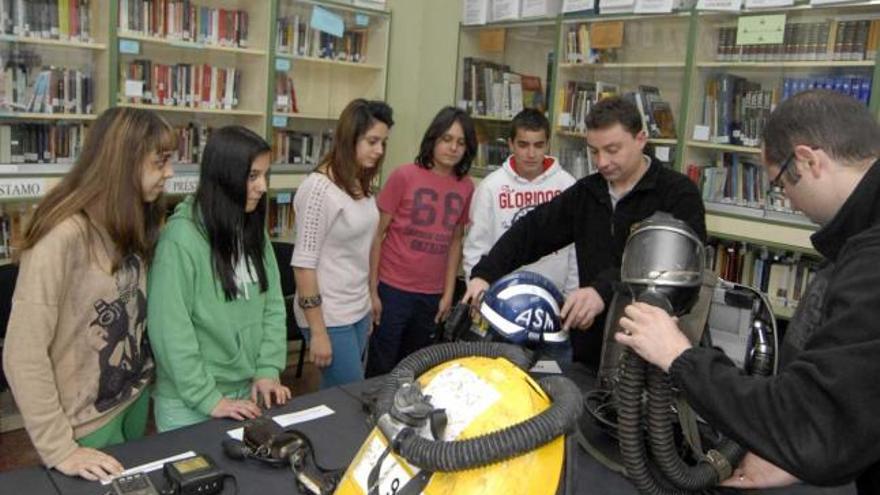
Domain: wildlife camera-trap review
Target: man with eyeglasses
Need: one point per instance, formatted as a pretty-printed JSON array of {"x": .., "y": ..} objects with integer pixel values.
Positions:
[{"x": 816, "y": 420}]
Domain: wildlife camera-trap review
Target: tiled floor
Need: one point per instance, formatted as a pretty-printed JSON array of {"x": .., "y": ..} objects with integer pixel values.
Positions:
[{"x": 17, "y": 451}]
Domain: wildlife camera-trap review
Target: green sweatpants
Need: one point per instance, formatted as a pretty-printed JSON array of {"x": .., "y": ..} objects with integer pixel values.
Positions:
[{"x": 127, "y": 425}]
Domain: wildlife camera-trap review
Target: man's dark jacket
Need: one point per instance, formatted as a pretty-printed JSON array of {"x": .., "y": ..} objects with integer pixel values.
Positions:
[
  {"x": 819, "y": 418},
  {"x": 582, "y": 214}
]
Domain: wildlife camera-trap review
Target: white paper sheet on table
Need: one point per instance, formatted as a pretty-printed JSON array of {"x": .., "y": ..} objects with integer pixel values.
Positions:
[{"x": 546, "y": 366}]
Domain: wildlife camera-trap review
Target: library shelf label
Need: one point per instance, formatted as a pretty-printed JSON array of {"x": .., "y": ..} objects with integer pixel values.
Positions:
[
  {"x": 22, "y": 188},
  {"x": 129, "y": 47},
  {"x": 183, "y": 184},
  {"x": 760, "y": 29},
  {"x": 282, "y": 64}
]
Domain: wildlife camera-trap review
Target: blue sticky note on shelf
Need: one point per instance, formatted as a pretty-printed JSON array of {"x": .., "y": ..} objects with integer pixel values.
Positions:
[
  {"x": 279, "y": 121},
  {"x": 282, "y": 64},
  {"x": 326, "y": 21},
  {"x": 283, "y": 198},
  {"x": 362, "y": 19},
  {"x": 130, "y": 47}
]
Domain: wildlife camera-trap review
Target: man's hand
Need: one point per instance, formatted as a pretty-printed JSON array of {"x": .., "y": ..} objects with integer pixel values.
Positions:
[
  {"x": 475, "y": 289},
  {"x": 652, "y": 334},
  {"x": 90, "y": 464},
  {"x": 755, "y": 472},
  {"x": 443, "y": 308},
  {"x": 320, "y": 350},
  {"x": 581, "y": 308},
  {"x": 264, "y": 388},
  {"x": 236, "y": 409}
]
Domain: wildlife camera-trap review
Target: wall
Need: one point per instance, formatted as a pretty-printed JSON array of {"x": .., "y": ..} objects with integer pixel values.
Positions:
[{"x": 421, "y": 70}]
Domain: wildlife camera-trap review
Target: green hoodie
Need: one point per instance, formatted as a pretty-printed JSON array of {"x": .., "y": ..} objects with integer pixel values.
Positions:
[{"x": 205, "y": 346}]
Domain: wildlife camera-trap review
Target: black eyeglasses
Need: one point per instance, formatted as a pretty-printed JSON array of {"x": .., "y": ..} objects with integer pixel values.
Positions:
[{"x": 776, "y": 183}]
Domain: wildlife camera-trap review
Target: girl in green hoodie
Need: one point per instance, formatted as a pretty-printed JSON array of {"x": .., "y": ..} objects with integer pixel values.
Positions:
[{"x": 217, "y": 317}]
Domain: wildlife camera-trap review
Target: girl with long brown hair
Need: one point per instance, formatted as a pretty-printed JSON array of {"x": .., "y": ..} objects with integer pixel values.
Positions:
[
  {"x": 75, "y": 353},
  {"x": 336, "y": 218}
]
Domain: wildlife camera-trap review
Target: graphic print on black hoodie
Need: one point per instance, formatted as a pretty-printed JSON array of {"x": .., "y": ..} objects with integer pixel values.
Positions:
[{"x": 121, "y": 361}]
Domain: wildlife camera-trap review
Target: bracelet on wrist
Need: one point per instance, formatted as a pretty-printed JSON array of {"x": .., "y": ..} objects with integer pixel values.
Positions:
[{"x": 309, "y": 302}]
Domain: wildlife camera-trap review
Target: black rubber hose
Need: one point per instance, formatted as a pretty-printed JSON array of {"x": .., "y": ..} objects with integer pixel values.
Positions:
[
  {"x": 559, "y": 419},
  {"x": 508, "y": 442},
  {"x": 630, "y": 429},
  {"x": 661, "y": 435}
]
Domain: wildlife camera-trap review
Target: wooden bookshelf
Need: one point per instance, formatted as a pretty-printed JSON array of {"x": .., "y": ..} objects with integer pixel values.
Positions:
[
  {"x": 788, "y": 64},
  {"x": 652, "y": 52},
  {"x": 760, "y": 232},
  {"x": 330, "y": 62},
  {"x": 583, "y": 135},
  {"x": 189, "y": 45},
  {"x": 286, "y": 182},
  {"x": 491, "y": 118},
  {"x": 196, "y": 110},
  {"x": 323, "y": 83},
  {"x": 34, "y": 169},
  {"x": 623, "y": 65},
  {"x": 724, "y": 147},
  {"x": 45, "y": 42},
  {"x": 305, "y": 116},
  {"x": 47, "y": 116}
]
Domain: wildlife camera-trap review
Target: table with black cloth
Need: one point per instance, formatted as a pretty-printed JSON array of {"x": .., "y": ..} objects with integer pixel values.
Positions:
[
  {"x": 27, "y": 480},
  {"x": 336, "y": 439}
]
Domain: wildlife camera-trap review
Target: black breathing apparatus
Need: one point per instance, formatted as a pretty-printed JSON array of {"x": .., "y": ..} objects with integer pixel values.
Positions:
[
  {"x": 636, "y": 423},
  {"x": 265, "y": 441}
]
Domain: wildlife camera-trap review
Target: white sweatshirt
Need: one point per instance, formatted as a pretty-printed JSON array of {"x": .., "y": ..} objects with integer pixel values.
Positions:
[{"x": 503, "y": 197}]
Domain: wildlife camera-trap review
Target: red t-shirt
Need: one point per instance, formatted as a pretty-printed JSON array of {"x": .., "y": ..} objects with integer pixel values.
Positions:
[{"x": 425, "y": 208}]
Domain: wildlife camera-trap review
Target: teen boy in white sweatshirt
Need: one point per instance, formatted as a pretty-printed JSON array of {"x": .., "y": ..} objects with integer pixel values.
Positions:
[{"x": 528, "y": 178}]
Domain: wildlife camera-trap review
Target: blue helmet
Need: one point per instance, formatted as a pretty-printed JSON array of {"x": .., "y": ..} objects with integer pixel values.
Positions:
[{"x": 523, "y": 308}]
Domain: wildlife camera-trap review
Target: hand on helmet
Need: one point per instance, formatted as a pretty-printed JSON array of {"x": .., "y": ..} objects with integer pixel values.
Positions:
[{"x": 475, "y": 289}]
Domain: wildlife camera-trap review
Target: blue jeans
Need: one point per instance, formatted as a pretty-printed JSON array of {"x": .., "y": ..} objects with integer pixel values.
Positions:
[
  {"x": 347, "y": 343},
  {"x": 406, "y": 325}
]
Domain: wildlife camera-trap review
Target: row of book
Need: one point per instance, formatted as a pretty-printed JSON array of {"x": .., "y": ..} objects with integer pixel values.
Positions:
[
  {"x": 180, "y": 85},
  {"x": 185, "y": 21},
  {"x": 657, "y": 117},
  {"x": 40, "y": 143},
  {"x": 491, "y": 89},
  {"x": 300, "y": 147},
  {"x": 491, "y": 154},
  {"x": 577, "y": 102},
  {"x": 859, "y": 87},
  {"x": 576, "y": 160},
  {"x": 25, "y": 88},
  {"x": 191, "y": 141},
  {"x": 297, "y": 37},
  {"x": 579, "y": 50},
  {"x": 736, "y": 109},
  {"x": 280, "y": 216},
  {"x": 734, "y": 180},
  {"x": 49, "y": 19},
  {"x": 285, "y": 94},
  {"x": 783, "y": 276},
  {"x": 824, "y": 40},
  {"x": 13, "y": 219}
]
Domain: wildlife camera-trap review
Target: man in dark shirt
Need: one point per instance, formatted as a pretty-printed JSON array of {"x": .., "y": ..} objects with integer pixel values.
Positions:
[
  {"x": 817, "y": 419},
  {"x": 596, "y": 213}
]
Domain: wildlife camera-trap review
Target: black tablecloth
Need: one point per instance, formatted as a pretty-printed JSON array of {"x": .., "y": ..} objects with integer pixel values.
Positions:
[
  {"x": 336, "y": 437},
  {"x": 29, "y": 480}
]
